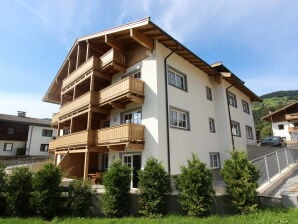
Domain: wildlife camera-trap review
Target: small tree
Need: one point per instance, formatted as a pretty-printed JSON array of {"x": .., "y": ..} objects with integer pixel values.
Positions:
[
  {"x": 241, "y": 178},
  {"x": 80, "y": 197},
  {"x": 195, "y": 187},
  {"x": 116, "y": 199},
  {"x": 154, "y": 182},
  {"x": 18, "y": 192},
  {"x": 46, "y": 193},
  {"x": 2, "y": 189}
]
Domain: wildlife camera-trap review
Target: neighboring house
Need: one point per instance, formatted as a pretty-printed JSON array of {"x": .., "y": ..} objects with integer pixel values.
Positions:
[
  {"x": 284, "y": 122},
  {"x": 133, "y": 91},
  {"x": 24, "y": 132}
]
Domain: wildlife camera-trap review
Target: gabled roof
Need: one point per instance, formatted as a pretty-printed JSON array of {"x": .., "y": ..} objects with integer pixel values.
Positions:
[
  {"x": 280, "y": 111},
  {"x": 27, "y": 120},
  {"x": 144, "y": 30}
]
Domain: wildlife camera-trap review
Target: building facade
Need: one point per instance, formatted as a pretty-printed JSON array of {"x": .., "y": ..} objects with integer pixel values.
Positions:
[
  {"x": 30, "y": 135},
  {"x": 285, "y": 122},
  {"x": 133, "y": 91}
]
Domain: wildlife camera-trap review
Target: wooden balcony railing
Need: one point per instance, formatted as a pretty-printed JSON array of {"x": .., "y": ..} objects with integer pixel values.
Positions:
[
  {"x": 128, "y": 85},
  {"x": 72, "y": 140},
  {"x": 112, "y": 56},
  {"x": 125, "y": 133},
  {"x": 92, "y": 62},
  {"x": 75, "y": 105},
  {"x": 293, "y": 116},
  {"x": 55, "y": 118},
  {"x": 291, "y": 129}
]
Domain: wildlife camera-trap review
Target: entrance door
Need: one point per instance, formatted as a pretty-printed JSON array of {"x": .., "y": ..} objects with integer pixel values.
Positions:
[{"x": 134, "y": 162}]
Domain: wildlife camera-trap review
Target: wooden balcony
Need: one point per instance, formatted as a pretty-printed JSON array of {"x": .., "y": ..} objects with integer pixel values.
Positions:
[
  {"x": 125, "y": 91},
  {"x": 120, "y": 134},
  {"x": 291, "y": 129},
  {"x": 112, "y": 61},
  {"x": 79, "y": 104},
  {"x": 82, "y": 138},
  {"x": 81, "y": 72},
  {"x": 55, "y": 119},
  {"x": 293, "y": 116}
]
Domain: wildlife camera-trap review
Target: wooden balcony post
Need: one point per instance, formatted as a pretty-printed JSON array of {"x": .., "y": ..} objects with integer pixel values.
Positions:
[
  {"x": 58, "y": 129},
  {"x": 70, "y": 127},
  {"x": 69, "y": 67},
  {"x": 89, "y": 121},
  {"x": 78, "y": 56},
  {"x": 86, "y": 165},
  {"x": 87, "y": 50}
]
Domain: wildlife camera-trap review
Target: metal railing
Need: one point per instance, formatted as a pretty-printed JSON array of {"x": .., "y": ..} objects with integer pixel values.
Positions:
[{"x": 274, "y": 163}]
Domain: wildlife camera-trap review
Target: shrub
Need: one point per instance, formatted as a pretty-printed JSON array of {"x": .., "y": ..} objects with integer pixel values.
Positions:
[
  {"x": 2, "y": 189},
  {"x": 21, "y": 151},
  {"x": 18, "y": 192},
  {"x": 116, "y": 199},
  {"x": 241, "y": 178},
  {"x": 195, "y": 187},
  {"x": 46, "y": 193},
  {"x": 154, "y": 182},
  {"x": 79, "y": 198}
]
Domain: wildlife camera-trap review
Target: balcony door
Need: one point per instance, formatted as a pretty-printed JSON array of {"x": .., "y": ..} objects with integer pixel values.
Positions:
[
  {"x": 134, "y": 162},
  {"x": 132, "y": 117}
]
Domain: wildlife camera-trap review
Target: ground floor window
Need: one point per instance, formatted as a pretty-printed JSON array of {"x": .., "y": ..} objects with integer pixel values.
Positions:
[
  {"x": 249, "y": 132},
  {"x": 8, "y": 146},
  {"x": 134, "y": 162},
  {"x": 44, "y": 147},
  {"x": 105, "y": 162},
  {"x": 214, "y": 160}
]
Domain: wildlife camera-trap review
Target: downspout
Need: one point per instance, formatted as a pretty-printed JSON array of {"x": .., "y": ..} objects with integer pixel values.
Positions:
[
  {"x": 167, "y": 109},
  {"x": 230, "y": 120},
  {"x": 29, "y": 145}
]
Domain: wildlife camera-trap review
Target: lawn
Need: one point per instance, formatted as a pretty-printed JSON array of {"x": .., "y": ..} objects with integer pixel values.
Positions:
[{"x": 283, "y": 216}]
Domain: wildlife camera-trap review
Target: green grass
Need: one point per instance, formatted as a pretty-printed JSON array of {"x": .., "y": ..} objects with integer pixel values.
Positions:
[{"x": 282, "y": 216}]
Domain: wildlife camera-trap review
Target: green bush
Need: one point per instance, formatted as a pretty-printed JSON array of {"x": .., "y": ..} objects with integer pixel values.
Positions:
[
  {"x": 154, "y": 182},
  {"x": 241, "y": 178},
  {"x": 80, "y": 198},
  {"x": 46, "y": 192},
  {"x": 18, "y": 192},
  {"x": 2, "y": 189},
  {"x": 21, "y": 151},
  {"x": 195, "y": 187},
  {"x": 116, "y": 199}
]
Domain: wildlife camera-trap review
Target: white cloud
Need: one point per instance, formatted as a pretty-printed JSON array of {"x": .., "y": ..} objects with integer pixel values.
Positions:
[{"x": 32, "y": 104}]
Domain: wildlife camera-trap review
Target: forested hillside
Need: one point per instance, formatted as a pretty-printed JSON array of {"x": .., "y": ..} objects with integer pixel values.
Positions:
[{"x": 271, "y": 102}]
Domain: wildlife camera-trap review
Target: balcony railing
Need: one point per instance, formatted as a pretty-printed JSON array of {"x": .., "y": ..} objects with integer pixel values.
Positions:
[
  {"x": 81, "y": 138},
  {"x": 126, "y": 86},
  {"x": 78, "y": 103},
  {"x": 92, "y": 62},
  {"x": 293, "y": 116},
  {"x": 112, "y": 56},
  {"x": 55, "y": 118},
  {"x": 125, "y": 133}
]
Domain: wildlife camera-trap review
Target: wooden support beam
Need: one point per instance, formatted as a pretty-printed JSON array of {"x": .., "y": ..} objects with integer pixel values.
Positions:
[
  {"x": 141, "y": 39},
  {"x": 114, "y": 43},
  {"x": 102, "y": 76},
  {"x": 99, "y": 110},
  {"x": 86, "y": 165},
  {"x": 78, "y": 151},
  {"x": 117, "y": 105},
  {"x": 89, "y": 120},
  {"x": 217, "y": 79},
  {"x": 116, "y": 147},
  {"x": 136, "y": 99},
  {"x": 135, "y": 146}
]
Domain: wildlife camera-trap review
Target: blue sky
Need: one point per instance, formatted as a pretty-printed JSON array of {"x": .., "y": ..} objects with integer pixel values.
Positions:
[{"x": 257, "y": 40}]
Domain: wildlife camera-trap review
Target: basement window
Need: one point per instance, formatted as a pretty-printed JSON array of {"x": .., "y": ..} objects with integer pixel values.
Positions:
[{"x": 8, "y": 146}]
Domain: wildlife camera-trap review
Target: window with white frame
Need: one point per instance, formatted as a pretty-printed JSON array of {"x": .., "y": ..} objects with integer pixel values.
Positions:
[
  {"x": 47, "y": 132},
  {"x": 105, "y": 162},
  {"x": 10, "y": 131},
  {"x": 179, "y": 118},
  {"x": 249, "y": 132},
  {"x": 214, "y": 160},
  {"x": 132, "y": 117},
  {"x": 245, "y": 107},
  {"x": 208, "y": 93},
  {"x": 176, "y": 79},
  {"x": 44, "y": 147},
  {"x": 235, "y": 128},
  {"x": 211, "y": 125},
  {"x": 135, "y": 74},
  {"x": 232, "y": 99},
  {"x": 8, "y": 146}
]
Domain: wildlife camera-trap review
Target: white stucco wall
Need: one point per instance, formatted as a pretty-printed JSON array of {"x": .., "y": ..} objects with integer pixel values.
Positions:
[
  {"x": 284, "y": 133},
  {"x": 15, "y": 146},
  {"x": 35, "y": 139}
]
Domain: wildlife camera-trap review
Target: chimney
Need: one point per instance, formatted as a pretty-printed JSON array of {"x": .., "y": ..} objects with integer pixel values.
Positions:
[{"x": 21, "y": 114}]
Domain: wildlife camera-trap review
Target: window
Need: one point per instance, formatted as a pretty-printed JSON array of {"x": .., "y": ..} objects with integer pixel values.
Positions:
[
  {"x": 245, "y": 107},
  {"x": 176, "y": 79},
  {"x": 133, "y": 161},
  {"x": 135, "y": 74},
  {"x": 232, "y": 99},
  {"x": 208, "y": 93},
  {"x": 10, "y": 131},
  {"x": 249, "y": 132},
  {"x": 280, "y": 127},
  {"x": 47, "y": 132},
  {"x": 214, "y": 160},
  {"x": 8, "y": 146},
  {"x": 105, "y": 162},
  {"x": 66, "y": 131},
  {"x": 179, "y": 118},
  {"x": 211, "y": 125},
  {"x": 133, "y": 117},
  {"x": 236, "y": 128},
  {"x": 44, "y": 147}
]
